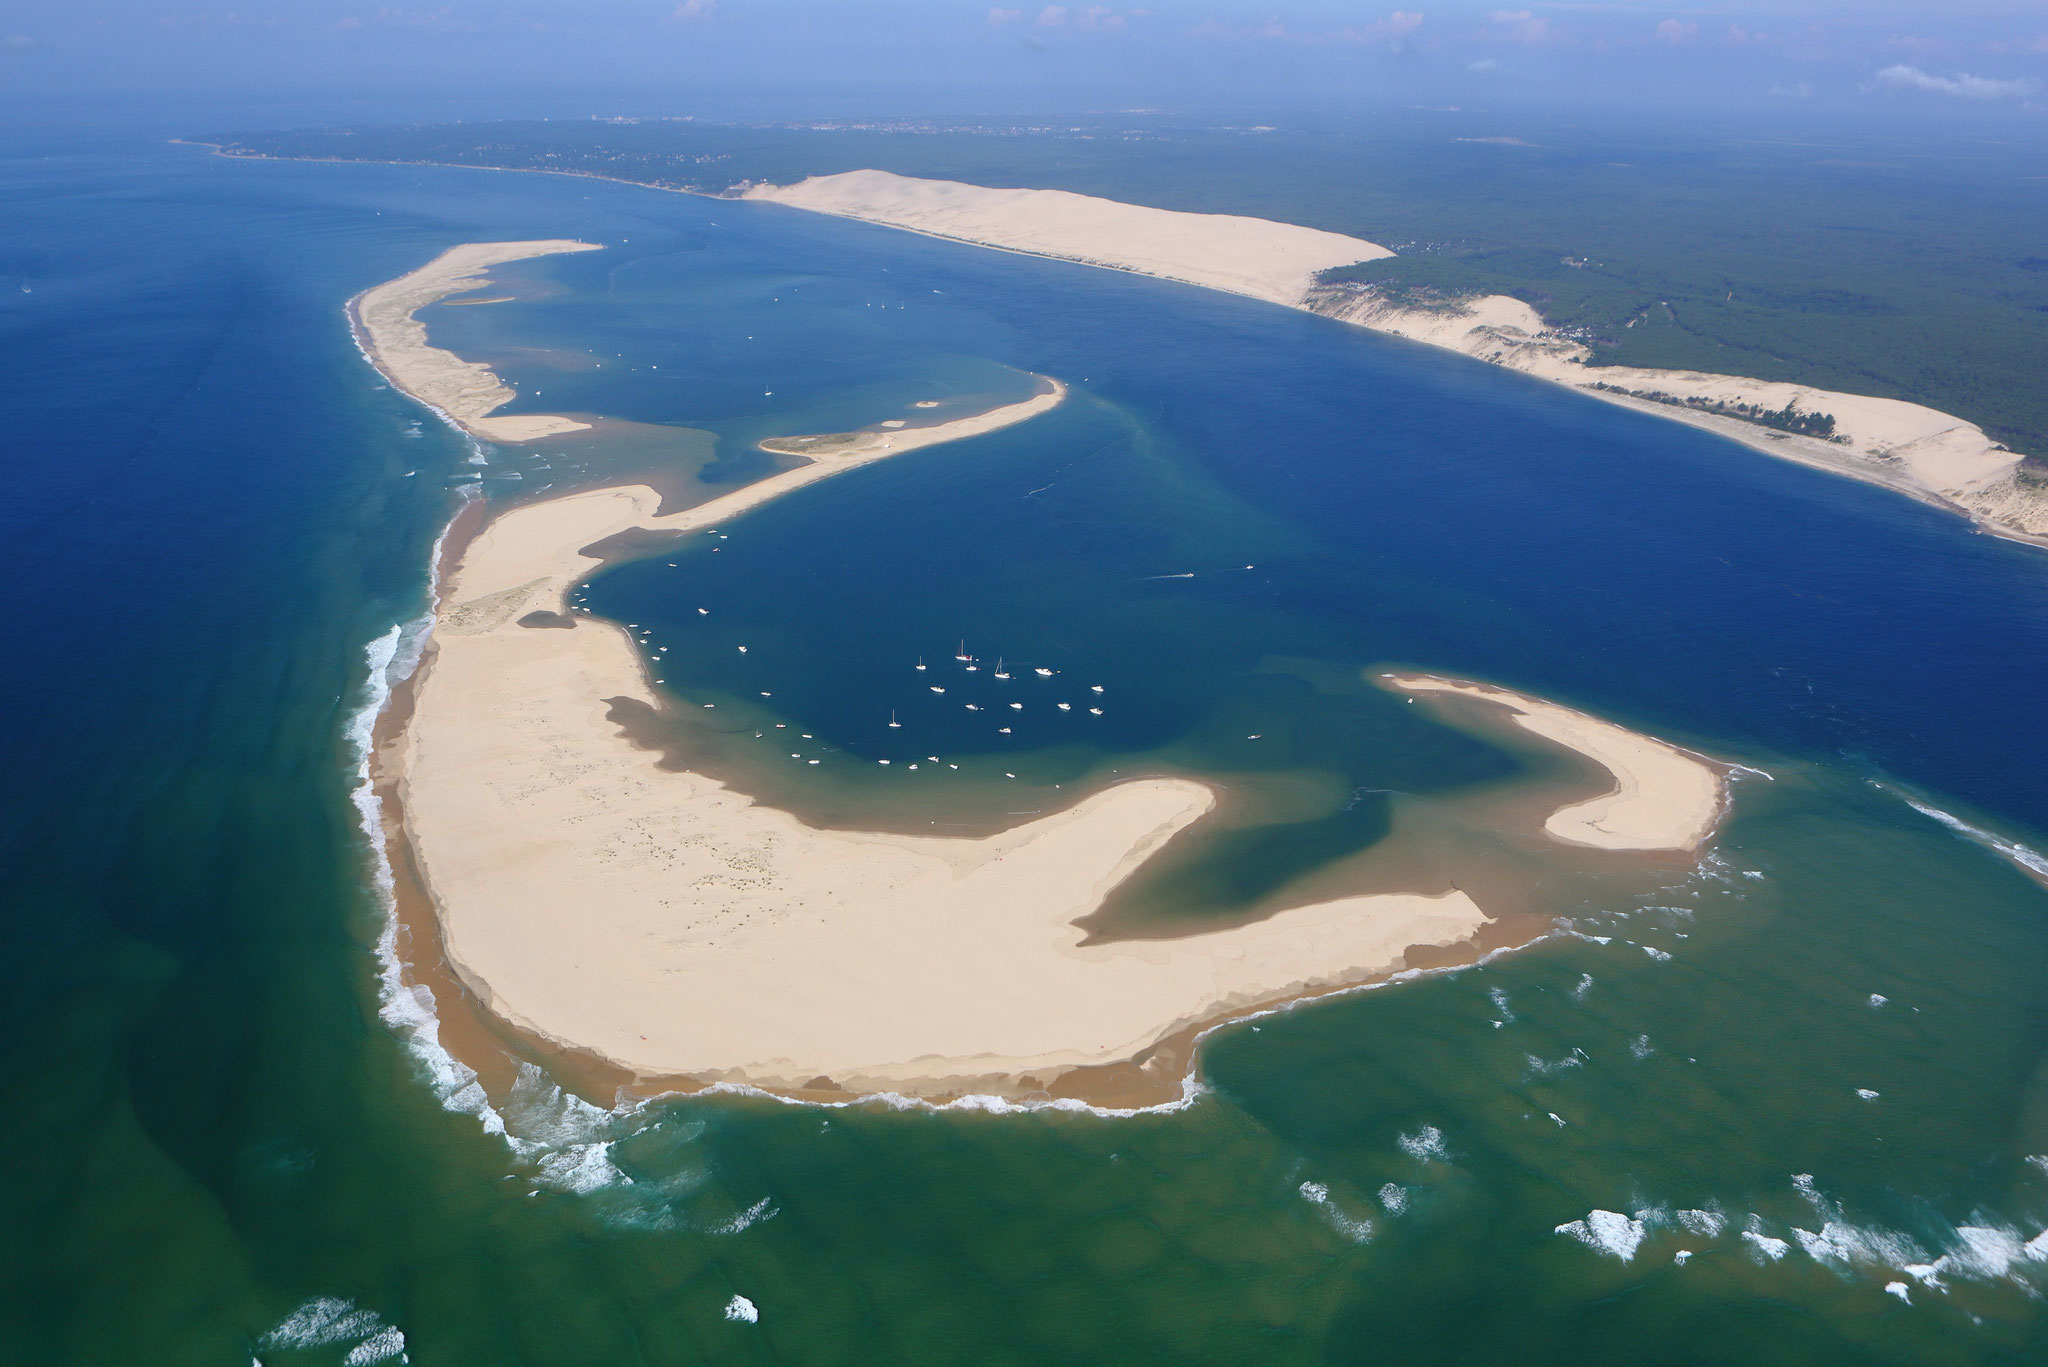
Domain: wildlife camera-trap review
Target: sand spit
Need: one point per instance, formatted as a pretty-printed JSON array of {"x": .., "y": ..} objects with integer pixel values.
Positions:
[
  {"x": 673, "y": 927},
  {"x": 1664, "y": 798},
  {"x": 1272, "y": 261},
  {"x": 1934, "y": 456},
  {"x": 467, "y": 391}
]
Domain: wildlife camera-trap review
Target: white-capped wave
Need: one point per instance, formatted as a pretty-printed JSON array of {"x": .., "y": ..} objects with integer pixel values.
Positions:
[
  {"x": 1353, "y": 1228},
  {"x": 1608, "y": 1231},
  {"x": 2031, "y": 860},
  {"x": 743, "y": 1310},
  {"x": 1426, "y": 1144},
  {"x": 323, "y": 1321}
]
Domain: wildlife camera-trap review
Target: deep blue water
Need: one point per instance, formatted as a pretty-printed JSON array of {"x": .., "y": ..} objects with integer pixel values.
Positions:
[{"x": 215, "y": 505}]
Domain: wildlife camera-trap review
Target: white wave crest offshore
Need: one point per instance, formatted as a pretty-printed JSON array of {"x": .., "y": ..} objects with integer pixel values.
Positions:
[
  {"x": 324, "y": 1321},
  {"x": 2031, "y": 860}
]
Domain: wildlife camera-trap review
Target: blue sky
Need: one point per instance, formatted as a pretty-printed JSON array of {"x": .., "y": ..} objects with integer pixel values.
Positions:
[{"x": 1985, "y": 61}]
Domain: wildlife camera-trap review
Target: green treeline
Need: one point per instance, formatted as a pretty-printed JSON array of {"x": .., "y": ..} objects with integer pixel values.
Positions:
[
  {"x": 1790, "y": 418},
  {"x": 1886, "y": 268}
]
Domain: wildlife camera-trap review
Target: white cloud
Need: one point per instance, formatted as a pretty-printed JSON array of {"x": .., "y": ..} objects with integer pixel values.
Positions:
[
  {"x": 1483, "y": 64},
  {"x": 694, "y": 9},
  {"x": 1795, "y": 90},
  {"x": 1520, "y": 25},
  {"x": 17, "y": 42},
  {"x": 1962, "y": 85},
  {"x": 1674, "y": 32},
  {"x": 1099, "y": 17}
]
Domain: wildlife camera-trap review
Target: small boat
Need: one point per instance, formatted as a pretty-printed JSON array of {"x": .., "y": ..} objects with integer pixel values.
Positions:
[
  {"x": 1042, "y": 672},
  {"x": 743, "y": 650},
  {"x": 963, "y": 657},
  {"x": 1001, "y": 673},
  {"x": 1094, "y": 688},
  {"x": 972, "y": 668},
  {"x": 1003, "y": 731},
  {"x": 973, "y": 708},
  {"x": 920, "y": 662},
  {"x": 937, "y": 689},
  {"x": 1066, "y": 707},
  {"x": 893, "y": 723},
  {"x": 1016, "y": 707},
  {"x": 703, "y": 612}
]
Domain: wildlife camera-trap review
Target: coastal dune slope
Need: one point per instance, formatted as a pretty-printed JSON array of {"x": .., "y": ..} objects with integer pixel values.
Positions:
[
  {"x": 1922, "y": 452},
  {"x": 1254, "y": 256}
]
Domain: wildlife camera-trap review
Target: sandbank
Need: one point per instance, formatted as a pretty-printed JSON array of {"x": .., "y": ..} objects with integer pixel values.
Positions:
[
  {"x": 673, "y": 927},
  {"x": 1920, "y": 451},
  {"x": 1664, "y": 798},
  {"x": 466, "y": 391}
]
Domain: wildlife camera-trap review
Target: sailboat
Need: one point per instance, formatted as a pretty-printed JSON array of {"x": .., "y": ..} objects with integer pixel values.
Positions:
[
  {"x": 920, "y": 662},
  {"x": 892, "y": 720},
  {"x": 1001, "y": 673},
  {"x": 963, "y": 657}
]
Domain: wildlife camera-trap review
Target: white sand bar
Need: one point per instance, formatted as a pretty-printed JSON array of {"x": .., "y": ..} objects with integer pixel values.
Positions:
[
  {"x": 1664, "y": 798},
  {"x": 1267, "y": 260},
  {"x": 467, "y": 391},
  {"x": 673, "y": 926}
]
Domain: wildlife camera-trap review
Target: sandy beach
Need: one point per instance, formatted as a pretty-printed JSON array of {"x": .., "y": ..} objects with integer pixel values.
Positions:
[
  {"x": 1664, "y": 798},
  {"x": 467, "y": 391},
  {"x": 1919, "y": 451}
]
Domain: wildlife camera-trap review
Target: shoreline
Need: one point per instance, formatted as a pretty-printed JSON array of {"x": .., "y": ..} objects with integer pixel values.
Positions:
[
  {"x": 2004, "y": 506},
  {"x": 509, "y": 799}
]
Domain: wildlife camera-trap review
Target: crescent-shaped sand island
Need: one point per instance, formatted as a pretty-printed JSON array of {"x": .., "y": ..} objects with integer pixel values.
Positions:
[{"x": 673, "y": 927}]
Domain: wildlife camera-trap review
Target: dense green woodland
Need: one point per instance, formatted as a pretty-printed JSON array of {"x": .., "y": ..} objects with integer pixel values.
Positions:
[{"x": 1892, "y": 267}]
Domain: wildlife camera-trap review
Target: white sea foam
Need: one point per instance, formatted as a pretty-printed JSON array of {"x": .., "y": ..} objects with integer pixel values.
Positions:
[
  {"x": 324, "y": 1321},
  {"x": 1703, "y": 1221},
  {"x": 1394, "y": 1199},
  {"x": 761, "y": 1210},
  {"x": 1767, "y": 1248},
  {"x": 743, "y": 1310},
  {"x": 2033, "y": 861},
  {"x": 1500, "y": 1003},
  {"x": 1659, "y": 955},
  {"x": 1357, "y": 1230},
  {"x": 1608, "y": 1231},
  {"x": 1582, "y": 987},
  {"x": 1426, "y": 1144}
]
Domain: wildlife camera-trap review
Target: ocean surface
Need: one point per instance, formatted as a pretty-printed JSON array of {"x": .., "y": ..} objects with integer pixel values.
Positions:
[{"x": 1785, "y": 1106}]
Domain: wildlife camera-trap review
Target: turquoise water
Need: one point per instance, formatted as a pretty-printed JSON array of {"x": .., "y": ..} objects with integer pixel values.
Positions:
[{"x": 234, "y": 1142}]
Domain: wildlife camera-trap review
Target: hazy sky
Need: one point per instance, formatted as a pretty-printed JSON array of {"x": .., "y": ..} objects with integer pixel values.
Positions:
[{"x": 1980, "y": 60}]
